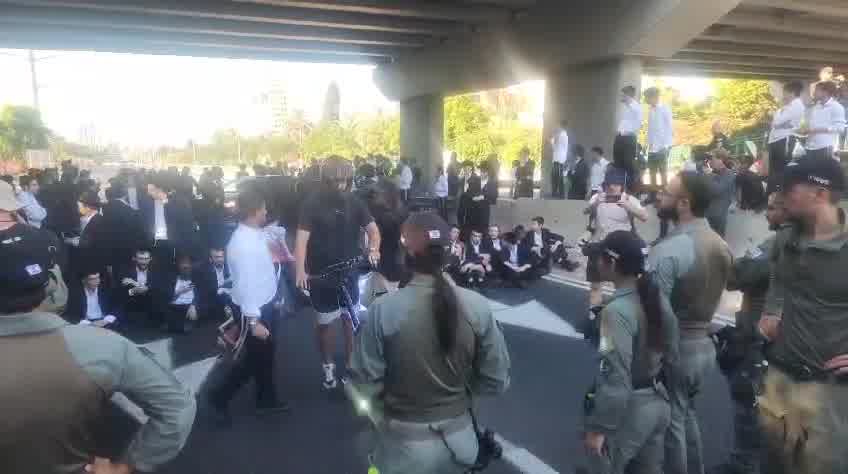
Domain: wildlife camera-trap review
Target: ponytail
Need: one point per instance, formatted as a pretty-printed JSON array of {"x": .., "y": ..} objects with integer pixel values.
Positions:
[
  {"x": 649, "y": 295},
  {"x": 445, "y": 302}
]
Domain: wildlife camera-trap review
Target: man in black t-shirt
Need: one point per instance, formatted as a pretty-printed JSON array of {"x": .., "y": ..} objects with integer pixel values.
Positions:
[{"x": 330, "y": 232}]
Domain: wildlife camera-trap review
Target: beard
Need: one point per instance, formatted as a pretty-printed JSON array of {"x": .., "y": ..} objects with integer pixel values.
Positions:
[{"x": 668, "y": 213}]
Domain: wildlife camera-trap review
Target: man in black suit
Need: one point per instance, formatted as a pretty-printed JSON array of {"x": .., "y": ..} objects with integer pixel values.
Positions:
[
  {"x": 89, "y": 248},
  {"x": 89, "y": 304},
  {"x": 477, "y": 264},
  {"x": 168, "y": 221},
  {"x": 215, "y": 278},
  {"x": 122, "y": 227},
  {"x": 177, "y": 296},
  {"x": 541, "y": 244},
  {"x": 516, "y": 260},
  {"x": 132, "y": 287}
]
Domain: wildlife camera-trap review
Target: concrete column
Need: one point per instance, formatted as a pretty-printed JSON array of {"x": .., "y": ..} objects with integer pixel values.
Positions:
[
  {"x": 588, "y": 97},
  {"x": 422, "y": 133}
]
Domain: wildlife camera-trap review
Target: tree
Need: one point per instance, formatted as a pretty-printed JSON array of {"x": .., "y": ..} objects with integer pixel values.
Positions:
[
  {"x": 465, "y": 123},
  {"x": 331, "y": 138},
  {"x": 21, "y": 129}
]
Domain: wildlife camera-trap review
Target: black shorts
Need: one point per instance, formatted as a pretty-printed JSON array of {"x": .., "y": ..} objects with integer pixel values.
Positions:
[
  {"x": 327, "y": 297},
  {"x": 592, "y": 273}
]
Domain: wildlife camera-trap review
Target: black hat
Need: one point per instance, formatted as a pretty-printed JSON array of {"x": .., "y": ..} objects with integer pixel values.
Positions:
[
  {"x": 425, "y": 229},
  {"x": 90, "y": 199},
  {"x": 26, "y": 256},
  {"x": 626, "y": 249},
  {"x": 819, "y": 171}
]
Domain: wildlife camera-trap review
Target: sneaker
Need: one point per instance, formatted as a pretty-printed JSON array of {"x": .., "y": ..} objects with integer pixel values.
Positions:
[
  {"x": 271, "y": 408},
  {"x": 330, "y": 381}
]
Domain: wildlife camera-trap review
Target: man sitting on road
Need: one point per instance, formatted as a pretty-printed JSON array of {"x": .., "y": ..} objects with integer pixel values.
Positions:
[
  {"x": 477, "y": 264},
  {"x": 516, "y": 259}
]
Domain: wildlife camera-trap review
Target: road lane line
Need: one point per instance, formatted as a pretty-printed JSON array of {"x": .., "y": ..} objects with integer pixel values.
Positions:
[{"x": 523, "y": 460}]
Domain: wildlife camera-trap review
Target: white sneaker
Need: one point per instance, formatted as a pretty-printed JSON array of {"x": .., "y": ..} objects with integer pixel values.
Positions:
[{"x": 330, "y": 376}]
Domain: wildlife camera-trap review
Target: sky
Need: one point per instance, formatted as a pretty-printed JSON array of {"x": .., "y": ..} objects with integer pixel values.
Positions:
[{"x": 146, "y": 100}]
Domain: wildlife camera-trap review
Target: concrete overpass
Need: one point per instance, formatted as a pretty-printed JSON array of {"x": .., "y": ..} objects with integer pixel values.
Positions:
[{"x": 426, "y": 49}]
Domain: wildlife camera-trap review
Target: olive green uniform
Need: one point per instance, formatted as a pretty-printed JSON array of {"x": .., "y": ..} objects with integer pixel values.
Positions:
[
  {"x": 803, "y": 408},
  {"x": 628, "y": 403}
]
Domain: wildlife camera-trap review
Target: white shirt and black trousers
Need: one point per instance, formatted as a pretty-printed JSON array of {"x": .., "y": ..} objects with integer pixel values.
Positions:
[
  {"x": 254, "y": 292},
  {"x": 558, "y": 165},
  {"x": 625, "y": 149},
  {"x": 660, "y": 140},
  {"x": 831, "y": 116},
  {"x": 782, "y": 139}
]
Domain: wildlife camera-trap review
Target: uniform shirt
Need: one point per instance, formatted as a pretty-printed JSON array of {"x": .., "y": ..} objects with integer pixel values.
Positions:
[
  {"x": 251, "y": 270},
  {"x": 186, "y": 297},
  {"x": 810, "y": 289},
  {"x": 830, "y": 115},
  {"x": 560, "y": 147},
  {"x": 396, "y": 354},
  {"x": 610, "y": 217},
  {"x": 32, "y": 209},
  {"x": 160, "y": 225},
  {"x": 691, "y": 266},
  {"x": 631, "y": 118},
  {"x": 93, "y": 311},
  {"x": 787, "y": 120},
  {"x": 627, "y": 363},
  {"x": 750, "y": 275},
  {"x": 660, "y": 129},
  {"x": 597, "y": 174},
  {"x": 71, "y": 368},
  {"x": 724, "y": 193}
]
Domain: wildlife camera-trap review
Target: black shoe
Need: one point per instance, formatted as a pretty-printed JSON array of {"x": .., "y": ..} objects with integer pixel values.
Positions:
[{"x": 263, "y": 409}]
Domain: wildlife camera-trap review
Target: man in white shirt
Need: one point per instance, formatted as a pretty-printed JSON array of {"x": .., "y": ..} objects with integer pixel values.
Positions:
[
  {"x": 405, "y": 179},
  {"x": 560, "y": 157},
  {"x": 781, "y": 140},
  {"x": 255, "y": 284},
  {"x": 31, "y": 209},
  {"x": 626, "y": 145},
  {"x": 660, "y": 136},
  {"x": 597, "y": 170},
  {"x": 91, "y": 305},
  {"x": 825, "y": 122}
]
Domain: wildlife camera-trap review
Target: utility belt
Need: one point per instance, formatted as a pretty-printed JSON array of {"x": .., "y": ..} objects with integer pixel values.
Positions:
[
  {"x": 654, "y": 385},
  {"x": 804, "y": 373},
  {"x": 410, "y": 431}
]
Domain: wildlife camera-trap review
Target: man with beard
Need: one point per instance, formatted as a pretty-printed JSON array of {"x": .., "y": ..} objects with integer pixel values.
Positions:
[
  {"x": 741, "y": 349},
  {"x": 804, "y": 404},
  {"x": 691, "y": 266}
]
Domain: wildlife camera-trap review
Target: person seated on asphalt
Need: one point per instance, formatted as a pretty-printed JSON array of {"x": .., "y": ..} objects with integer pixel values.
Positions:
[
  {"x": 545, "y": 246},
  {"x": 627, "y": 411},
  {"x": 516, "y": 259},
  {"x": 132, "y": 290},
  {"x": 456, "y": 254},
  {"x": 216, "y": 283},
  {"x": 177, "y": 296},
  {"x": 477, "y": 264},
  {"x": 422, "y": 403},
  {"x": 91, "y": 304}
]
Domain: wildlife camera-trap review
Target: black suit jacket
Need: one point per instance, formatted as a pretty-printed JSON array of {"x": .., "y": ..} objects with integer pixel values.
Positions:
[
  {"x": 163, "y": 284},
  {"x": 123, "y": 232},
  {"x": 523, "y": 254},
  {"x": 548, "y": 239},
  {"x": 178, "y": 218},
  {"x": 490, "y": 191},
  {"x": 470, "y": 255},
  {"x": 208, "y": 281},
  {"x": 121, "y": 294},
  {"x": 78, "y": 300}
]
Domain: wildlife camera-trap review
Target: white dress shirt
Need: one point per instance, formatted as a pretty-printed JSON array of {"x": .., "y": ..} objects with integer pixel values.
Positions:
[
  {"x": 597, "y": 174},
  {"x": 141, "y": 277},
  {"x": 160, "y": 225},
  {"x": 496, "y": 244},
  {"x": 830, "y": 115},
  {"x": 631, "y": 118},
  {"x": 132, "y": 198},
  {"x": 93, "y": 311},
  {"x": 405, "y": 181},
  {"x": 787, "y": 120},
  {"x": 660, "y": 128},
  {"x": 219, "y": 276},
  {"x": 32, "y": 209},
  {"x": 184, "y": 298},
  {"x": 251, "y": 270},
  {"x": 561, "y": 146},
  {"x": 537, "y": 239},
  {"x": 513, "y": 255},
  {"x": 440, "y": 188},
  {"x": 85, "y": 220},
  {"x": 476, "y": 248}
]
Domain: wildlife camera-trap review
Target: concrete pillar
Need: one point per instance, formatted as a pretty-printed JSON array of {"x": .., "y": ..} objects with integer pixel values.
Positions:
[
  {"x": 588, "y": 97},
  {"x": 422, "y": 133}
]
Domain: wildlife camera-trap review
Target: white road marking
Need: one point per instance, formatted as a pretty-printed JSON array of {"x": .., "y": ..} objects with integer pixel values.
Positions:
[
  {"x": 523, "y": 460},
  {"x": 534, "y": 315}
]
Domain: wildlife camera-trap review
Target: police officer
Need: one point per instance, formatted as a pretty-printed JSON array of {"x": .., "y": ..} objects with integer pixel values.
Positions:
[
  {"x": 627, "y": 410},
  {"x": 423, "y": 352},
  {"x": 740, "y": 348},
  {"x": 804, "y": 405},
  {"x": 57, "y": 380}
]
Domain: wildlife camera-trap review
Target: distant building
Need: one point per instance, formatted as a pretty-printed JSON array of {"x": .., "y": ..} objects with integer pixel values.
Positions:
[
  {"x": 332, "y": 102},
  {"x": 278, "y": 101},
  {"x": 88, "y": 135}
]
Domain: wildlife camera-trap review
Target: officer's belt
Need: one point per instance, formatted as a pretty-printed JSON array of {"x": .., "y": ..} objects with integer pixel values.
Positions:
[
  {"x": 804, "y": 373},
  {"x": 426, "y": 431}
]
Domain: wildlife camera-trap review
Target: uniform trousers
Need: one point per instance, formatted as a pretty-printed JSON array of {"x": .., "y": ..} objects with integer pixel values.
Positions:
[{"x": 399, "y": 453}]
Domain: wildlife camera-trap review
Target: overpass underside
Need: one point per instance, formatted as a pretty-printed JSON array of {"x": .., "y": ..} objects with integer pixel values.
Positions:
[{"x": 427, "y": 49}]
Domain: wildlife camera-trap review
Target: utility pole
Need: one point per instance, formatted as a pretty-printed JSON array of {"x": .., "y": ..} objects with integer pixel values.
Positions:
[
  {"x": 238, "y": 146},
  {"x": 35, "y": 102}
]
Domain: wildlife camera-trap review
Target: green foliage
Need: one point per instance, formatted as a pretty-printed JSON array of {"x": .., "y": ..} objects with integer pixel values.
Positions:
[
  {"x": 331, "y": 138},
  {"x": 21, "y": 129}
]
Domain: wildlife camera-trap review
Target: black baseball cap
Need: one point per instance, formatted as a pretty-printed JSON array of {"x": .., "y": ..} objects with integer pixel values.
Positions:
[
  {"x": 819, "y": 171},
  {"x": 26, "y": 256},
  {"x": 425, "y": 229},
  {"x": 625, "y": 248}
]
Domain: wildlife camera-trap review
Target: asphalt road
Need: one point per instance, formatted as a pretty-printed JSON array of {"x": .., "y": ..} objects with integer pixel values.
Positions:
[{"x": 541, "y": 412}]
